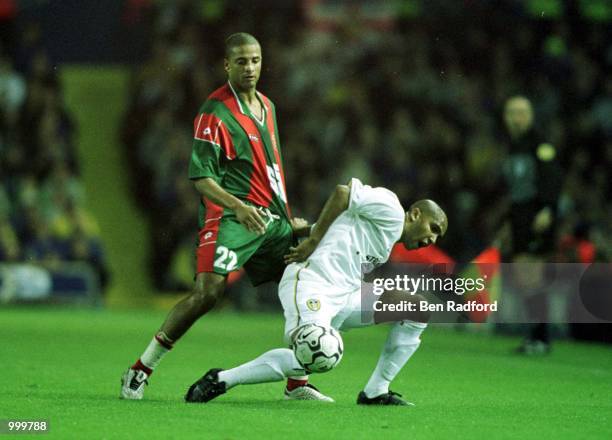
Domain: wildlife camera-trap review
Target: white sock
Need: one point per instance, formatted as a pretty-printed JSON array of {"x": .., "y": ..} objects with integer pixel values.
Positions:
[
  {"x": 298, "y": 377},
  {"x": 402, "y": 341},
  {"x": 156, "y": 350},
  {"x": 272, "y": 366}
]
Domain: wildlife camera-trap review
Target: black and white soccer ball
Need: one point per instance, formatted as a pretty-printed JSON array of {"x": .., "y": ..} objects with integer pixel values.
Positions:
[{"x": 317, "y": 348}]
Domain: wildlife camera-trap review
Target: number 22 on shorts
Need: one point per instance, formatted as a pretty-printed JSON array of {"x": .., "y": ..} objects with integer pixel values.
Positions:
[{"x": 226, "y": 259}]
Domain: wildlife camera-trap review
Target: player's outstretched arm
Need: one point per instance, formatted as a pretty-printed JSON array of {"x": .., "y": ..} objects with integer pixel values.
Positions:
[
  {"x": 245, "y": 214},
  {"x": 337, "y": 203}
]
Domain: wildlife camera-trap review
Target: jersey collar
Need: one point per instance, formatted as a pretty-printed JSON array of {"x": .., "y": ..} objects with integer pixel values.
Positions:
[{"x": 245, "y": 110}]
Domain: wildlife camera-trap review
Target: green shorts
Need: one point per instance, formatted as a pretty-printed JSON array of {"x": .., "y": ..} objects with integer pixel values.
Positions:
[{"x": 225, "y": 245}]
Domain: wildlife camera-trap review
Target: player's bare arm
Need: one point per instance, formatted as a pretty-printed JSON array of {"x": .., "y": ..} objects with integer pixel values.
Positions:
[
  {"x": 247, "y": 215},
  {"x": 336, "y": 204}
]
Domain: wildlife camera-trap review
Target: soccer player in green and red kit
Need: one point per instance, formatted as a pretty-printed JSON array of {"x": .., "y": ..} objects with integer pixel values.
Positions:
[{"x": 244, "y": 216}]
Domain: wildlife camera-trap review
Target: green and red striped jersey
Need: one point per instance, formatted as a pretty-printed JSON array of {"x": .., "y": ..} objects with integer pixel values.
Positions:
[{"x": 238, "y": 151}]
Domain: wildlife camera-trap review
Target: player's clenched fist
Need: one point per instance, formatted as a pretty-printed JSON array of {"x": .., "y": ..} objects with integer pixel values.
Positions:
[
  {"x": 249, "y": 217},
  {"x": 302, "y": 251},
  {"x": 300, "y": 227}
]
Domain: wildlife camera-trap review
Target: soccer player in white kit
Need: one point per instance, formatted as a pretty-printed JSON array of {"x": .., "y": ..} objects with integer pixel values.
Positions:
[{"x": 322, "y": 286}]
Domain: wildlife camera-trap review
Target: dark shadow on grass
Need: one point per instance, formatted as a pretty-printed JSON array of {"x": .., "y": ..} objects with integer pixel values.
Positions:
[
  {"x": 75, "y": 397},
  {"x": 274, "y": 405},
  {"x": 178, "y": 400},
  {"x": 237, "y": 402}
]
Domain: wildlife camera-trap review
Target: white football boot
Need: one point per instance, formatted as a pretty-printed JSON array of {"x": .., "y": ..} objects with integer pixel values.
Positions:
[
  {"x": 306, "y": 392},
  {"x": 132, "y": 384}
]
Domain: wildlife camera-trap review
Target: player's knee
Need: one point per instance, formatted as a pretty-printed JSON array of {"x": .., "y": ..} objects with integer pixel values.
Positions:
[
  {"x": 202, "y": 300},
  {"x": 206, "y": 294},
  {"x": 317, "y": 348}
]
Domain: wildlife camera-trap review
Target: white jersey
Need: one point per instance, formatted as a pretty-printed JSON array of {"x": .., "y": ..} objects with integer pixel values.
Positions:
[{"x": 364, "y": 234}]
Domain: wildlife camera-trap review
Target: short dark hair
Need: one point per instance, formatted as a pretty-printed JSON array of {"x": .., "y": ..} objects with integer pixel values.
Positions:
[
  {"x": 433, "y": 211},
  {"x": 238, "y": 39}
]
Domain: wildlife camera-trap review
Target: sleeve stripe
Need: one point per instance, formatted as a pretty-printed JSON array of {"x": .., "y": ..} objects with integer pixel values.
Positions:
[
  {"x": 197, "y": 130},
  {"x": 217, "y": 130},
  {"x": 208, "y": 140},
  {"x": 221, "y": 137}
]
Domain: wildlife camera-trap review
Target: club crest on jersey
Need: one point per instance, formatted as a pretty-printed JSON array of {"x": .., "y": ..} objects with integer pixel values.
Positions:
[
  {"x": 313, "y": 304},
  {"x": 207, "y": 131},
  {"x": 208, "y": 235},
  {"x": 253, "y": 138}
]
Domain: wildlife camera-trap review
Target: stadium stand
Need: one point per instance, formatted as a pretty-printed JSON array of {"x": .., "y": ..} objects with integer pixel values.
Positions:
[
  {"x": 439, "y": 134},
  {"x": 49, "y": 241}
]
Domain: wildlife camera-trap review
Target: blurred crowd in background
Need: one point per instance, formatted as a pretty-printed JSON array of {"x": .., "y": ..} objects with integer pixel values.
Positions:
[
  {"x": 43, "y": 214},
  {"x": 406, "y": 94},
  {"x": 411, "y": 100}
]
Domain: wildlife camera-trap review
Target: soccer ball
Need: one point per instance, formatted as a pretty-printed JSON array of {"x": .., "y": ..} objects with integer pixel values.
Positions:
[{"x": 317, "y": 349}]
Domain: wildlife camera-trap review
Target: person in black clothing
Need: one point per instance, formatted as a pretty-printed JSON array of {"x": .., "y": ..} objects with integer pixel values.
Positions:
[{"x": 533, "y": 178}]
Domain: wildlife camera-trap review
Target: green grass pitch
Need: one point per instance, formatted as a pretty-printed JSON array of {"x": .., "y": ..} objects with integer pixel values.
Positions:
[{"x": 65, "y": 365}]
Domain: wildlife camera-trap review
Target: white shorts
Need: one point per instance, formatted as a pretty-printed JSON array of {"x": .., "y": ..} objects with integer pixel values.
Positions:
[{"x": 307, "y": 298}]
